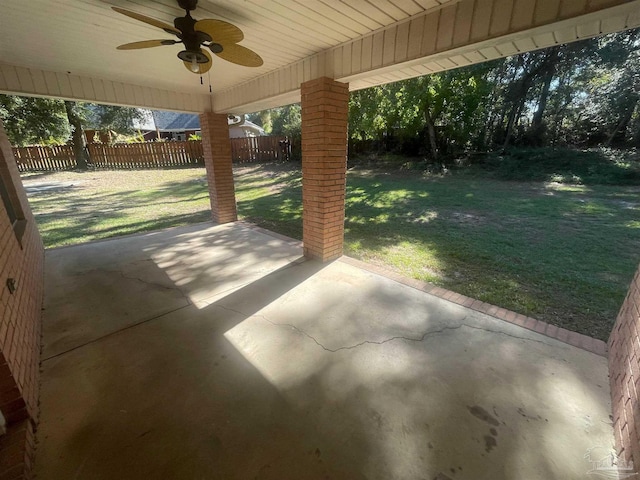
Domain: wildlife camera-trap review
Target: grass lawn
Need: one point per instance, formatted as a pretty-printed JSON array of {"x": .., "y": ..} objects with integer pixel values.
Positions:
[
  {"x": 563, "y": 254},
  {"x": 78, "y": 207}
]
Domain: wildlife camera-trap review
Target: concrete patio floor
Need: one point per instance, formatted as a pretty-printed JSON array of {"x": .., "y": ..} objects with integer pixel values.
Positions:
[{"x": 217, "y": 352}]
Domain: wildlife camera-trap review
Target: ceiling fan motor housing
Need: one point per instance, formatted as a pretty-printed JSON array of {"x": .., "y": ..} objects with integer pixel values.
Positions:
[
  {"x": 188, "y": 4},
  {"x": 192, "y": 40}
]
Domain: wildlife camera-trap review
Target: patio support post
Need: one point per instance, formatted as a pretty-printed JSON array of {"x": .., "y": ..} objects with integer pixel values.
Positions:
[
  {"x": 216, "y": 147},
  {"x": 624, "y": 376},
  {"x": 325, "y": 108}
]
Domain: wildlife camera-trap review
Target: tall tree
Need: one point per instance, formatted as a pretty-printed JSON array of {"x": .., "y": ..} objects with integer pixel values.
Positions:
[
  {"x": 547, "y": 75},
  {"x": 33, "y": 121},
  {"x": 75, "y": 115},
  {"x": 110, "y": 117},
  {"x": 583, "y": 93}
]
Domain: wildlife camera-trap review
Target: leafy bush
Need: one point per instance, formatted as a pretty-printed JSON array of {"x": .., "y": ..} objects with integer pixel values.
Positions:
[{"x": 593, "y": 166}]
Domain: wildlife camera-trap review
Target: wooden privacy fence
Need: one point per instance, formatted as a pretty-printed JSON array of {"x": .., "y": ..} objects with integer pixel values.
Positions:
[
  {"x": 260, "y": 149},
  {"x": 35, "y": 159},
  {"x": 148, "y": 154}
]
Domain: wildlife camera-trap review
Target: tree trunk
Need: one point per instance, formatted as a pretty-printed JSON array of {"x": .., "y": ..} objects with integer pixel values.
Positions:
[
  {"x": 488, "y": 133},
  {"x": 507, "y": 112},
  {"x": 523, "y": 85},
  {"x": 549, "y": 72},
  {"x": 514, "y": 114},
  {"x": 559, "y": 112},
  {"x": 536, "y": 124},
  {"x": 431, "y": 130},
  {"x": 79, "y": 143},
  {"x": 619, "y": 133}
]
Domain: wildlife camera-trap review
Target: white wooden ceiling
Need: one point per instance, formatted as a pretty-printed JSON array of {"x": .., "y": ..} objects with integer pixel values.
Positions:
[{"x": 67, "y": 48}]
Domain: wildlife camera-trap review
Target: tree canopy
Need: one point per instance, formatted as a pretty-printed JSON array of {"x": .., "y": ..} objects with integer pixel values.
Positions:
[
  {"x": 579, "y": 94},
  {"x": 30, "y": 120},
  {"x": 34, "y": 120}
]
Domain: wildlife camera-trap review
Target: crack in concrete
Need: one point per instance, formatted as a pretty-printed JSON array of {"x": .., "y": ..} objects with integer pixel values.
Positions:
[
  {"x": 401, "y": 337},
  {"x": 129, "y": 277},
  {"x": 133, "y": 325},
  {"x": 365, "y": 342},
  {"x": 298, "y": 263},
  {"x": 295, "y": 263},
  {"x": 153, "y": 284},
  {"x": 382, "y": 342}
]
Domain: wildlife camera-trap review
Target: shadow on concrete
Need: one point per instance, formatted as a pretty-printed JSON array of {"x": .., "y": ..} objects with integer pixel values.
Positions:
[
  {"x": 403, "y": 391},
  {"x": 294, "y": 369}
]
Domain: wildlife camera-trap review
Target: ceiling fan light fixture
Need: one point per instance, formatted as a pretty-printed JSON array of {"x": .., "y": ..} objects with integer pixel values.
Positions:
[
  {"x": 195, "y": 68},
  {"x": 191, "y": 56}
]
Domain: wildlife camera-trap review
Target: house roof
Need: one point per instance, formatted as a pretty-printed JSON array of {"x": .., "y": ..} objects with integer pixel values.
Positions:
[
  {"x": 175, "y": 122},
  {"x": 179, "y": 122},
  {"x": 67, "y": 49}
]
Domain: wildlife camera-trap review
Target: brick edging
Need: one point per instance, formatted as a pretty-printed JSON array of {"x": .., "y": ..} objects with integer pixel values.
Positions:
[{"x": 575, "y": 339}]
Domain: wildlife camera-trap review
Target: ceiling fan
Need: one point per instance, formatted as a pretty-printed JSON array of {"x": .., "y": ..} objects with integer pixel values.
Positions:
[{"x": 218, "y": 36}]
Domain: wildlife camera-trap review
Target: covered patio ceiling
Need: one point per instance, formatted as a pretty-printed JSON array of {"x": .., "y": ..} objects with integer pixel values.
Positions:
[{"x": 67, "y": 48}]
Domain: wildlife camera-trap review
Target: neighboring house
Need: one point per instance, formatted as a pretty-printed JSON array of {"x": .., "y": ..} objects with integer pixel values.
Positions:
[
  {"x": 169, "y": 125},
  {"x": 180, "y": 126},
  {"x": 239, "y": 127}
]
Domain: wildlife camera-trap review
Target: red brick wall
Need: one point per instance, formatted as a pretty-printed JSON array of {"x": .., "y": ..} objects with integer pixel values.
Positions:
[
  {"x": 325, "y": 111},
  {"x": 17, "y": 450},
  {"x": 216, "y": 147},
  {"x": 624, "y": 375},
  {"x": 20, "y": 315}
]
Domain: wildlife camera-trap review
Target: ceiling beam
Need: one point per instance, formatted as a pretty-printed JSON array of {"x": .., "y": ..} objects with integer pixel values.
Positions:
[{"x": 34, "y": 82}]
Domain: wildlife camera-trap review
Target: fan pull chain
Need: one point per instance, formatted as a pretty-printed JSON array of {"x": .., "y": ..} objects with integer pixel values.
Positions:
[{"x": 209, "y": 76}]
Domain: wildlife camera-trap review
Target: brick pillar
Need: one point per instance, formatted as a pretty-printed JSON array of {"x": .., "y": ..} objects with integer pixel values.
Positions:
[
  {"x": 624, "y": 375},
  {"x": 217, "y": 160},
  {"x": 325, "y": 109},
  {"x": 21, "y": 259}
]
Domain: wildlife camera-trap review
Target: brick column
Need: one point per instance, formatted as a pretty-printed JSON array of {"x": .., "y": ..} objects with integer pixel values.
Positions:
[
  {"x": 325, "y": 108},
  {"x": 22, "y": 260},
  {"x": 217, "y": 160},
  {"x": 624, "y": 375}
]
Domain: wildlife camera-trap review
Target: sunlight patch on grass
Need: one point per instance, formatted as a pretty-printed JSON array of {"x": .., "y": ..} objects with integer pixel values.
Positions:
[
  {"x": 591, "y": 208},
  {"x": 561, "y": 253},
  {"x": 83, "y": 207},
  {"x": 424, "y": 217},
  {"x": 410, "y": 259},
  {"x": 561, "y": 187}
]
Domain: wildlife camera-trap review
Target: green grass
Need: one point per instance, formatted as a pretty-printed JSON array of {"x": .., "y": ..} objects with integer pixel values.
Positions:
[
  {"x": 597, "y": 166},
  {"x": 74, "y": 207},
  {"x": 561, "y": 253}
]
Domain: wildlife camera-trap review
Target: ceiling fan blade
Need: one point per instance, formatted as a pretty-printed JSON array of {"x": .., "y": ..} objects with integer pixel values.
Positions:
[
  {"x": 202, "y": 67},
  {"x": 146, "y": 44},
  {"x": 151, "y": 21},
  {"x": 240, "y": 55},
  {"x": 219, "y": 30}
]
